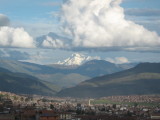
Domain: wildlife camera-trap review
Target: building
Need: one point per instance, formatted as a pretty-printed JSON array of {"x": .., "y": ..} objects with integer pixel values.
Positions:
[
  {"x": 66, "y": 116},
  {"x": 7, "y": 117},
  {"x": 28, "y": 115},
  {"x": 155, "y": 116},
  {"x": 7, "y": 103},
  {"x": 48, "y": 115}
]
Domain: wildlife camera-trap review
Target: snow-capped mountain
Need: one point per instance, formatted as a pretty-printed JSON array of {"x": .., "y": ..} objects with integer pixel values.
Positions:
[{"x": 77, "y": 59}]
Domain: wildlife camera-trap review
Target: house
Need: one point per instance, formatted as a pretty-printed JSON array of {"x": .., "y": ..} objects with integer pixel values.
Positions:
[
  {"x": 7, "y": 117},
  {"x": 48, "y": 115},
  {"x": 7, "y": 103},
  {"x": 155, "y": 116},
  {"x": 28, "y": 115},
  {"x": 66, "y": 116}
]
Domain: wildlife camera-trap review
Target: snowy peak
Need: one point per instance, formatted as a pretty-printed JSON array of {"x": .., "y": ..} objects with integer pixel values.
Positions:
[{"x": 76, "y": 59}]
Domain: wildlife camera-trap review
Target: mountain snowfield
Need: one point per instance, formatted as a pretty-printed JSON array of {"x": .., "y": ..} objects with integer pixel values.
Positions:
[{"x": 77, "y": 59}]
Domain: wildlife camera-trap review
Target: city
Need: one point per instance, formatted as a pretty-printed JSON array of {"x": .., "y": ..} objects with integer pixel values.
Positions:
[{"x": 27, "y": 107}]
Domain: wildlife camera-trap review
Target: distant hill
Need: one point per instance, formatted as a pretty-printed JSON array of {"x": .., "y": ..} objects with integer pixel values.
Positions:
[
  {"x": 142, "y": 79},
  {"x": 64, "y": 76},
  {"x": 61, "y": 77},
  {"x": 95, "y": 68},
  {"x": 22, "y": 83},
  {"x": 73, "y": 75},
  {"x": 63, "y": 80}
]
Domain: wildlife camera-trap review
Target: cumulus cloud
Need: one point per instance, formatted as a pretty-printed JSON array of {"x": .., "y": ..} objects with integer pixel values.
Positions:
[
  {"x": 88, "y": 58},
  {"x": 118, "y": 60},
  {"x": 49, "y": 42},
  {"x": 102, "y": 24},
  {"x": 36, "y": 57},
  {"x": 15, "y": 37},
  {"x": 4, "y": 20},
  {"x": 12, "y": 54}
]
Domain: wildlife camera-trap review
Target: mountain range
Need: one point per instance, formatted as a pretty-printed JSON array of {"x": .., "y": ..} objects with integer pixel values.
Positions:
[
  {"x": 142, "y": 79},
  {"x": 61, "y": 75},
  {"x": 95, "y": 78}
]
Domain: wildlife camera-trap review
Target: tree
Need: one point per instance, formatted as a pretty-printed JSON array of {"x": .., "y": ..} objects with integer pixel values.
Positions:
[
  {"x": 114, "y": 106},
  {"x": 34, "y": 104},
  {"x": 27, "y": 99},
  {"x": 22, "y": 99},
  {"x": 135, "y": 104},
  {"x": 1, "y": 96},
  {"x": 44, "y": 100},
  {"x": 51, "y": 106},
  {"x": 15, "y": 97}
]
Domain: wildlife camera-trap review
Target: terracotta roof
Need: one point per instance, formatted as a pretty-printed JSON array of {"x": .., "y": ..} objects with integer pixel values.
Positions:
[
  {"x": 155, "y": 114},
  {"x": 29, "y": 112}
]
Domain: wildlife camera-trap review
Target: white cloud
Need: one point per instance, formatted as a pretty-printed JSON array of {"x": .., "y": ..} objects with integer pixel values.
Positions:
[
  {"x": 52, "y": 43},
  {"x": 15, "y": 37},
  {"x": 102, "y": 24},
  {"x": 118, "y": 60},
  {"x": 4, "y": 20},
  {"x": 13, "y": 54},
  {"x": 88, "y": 58},
  {"x": 36, "y": 58}
]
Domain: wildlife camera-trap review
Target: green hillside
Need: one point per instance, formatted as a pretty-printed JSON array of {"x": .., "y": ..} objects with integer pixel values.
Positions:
[
  {"x": 63, "y": 80},
  {"x": 142, "y": 79},
  {"x": 22, "y": 84}
]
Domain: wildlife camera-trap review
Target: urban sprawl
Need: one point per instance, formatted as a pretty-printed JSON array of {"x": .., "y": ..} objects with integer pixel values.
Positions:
[{"x": 34, "y": 107}]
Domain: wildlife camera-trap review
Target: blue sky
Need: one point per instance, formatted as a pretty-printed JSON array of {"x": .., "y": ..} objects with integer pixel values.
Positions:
[
  {"x": 141, "y": 4},
  {"x": 39, "y": 17},
  {"x": 28, "y": 10}
]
